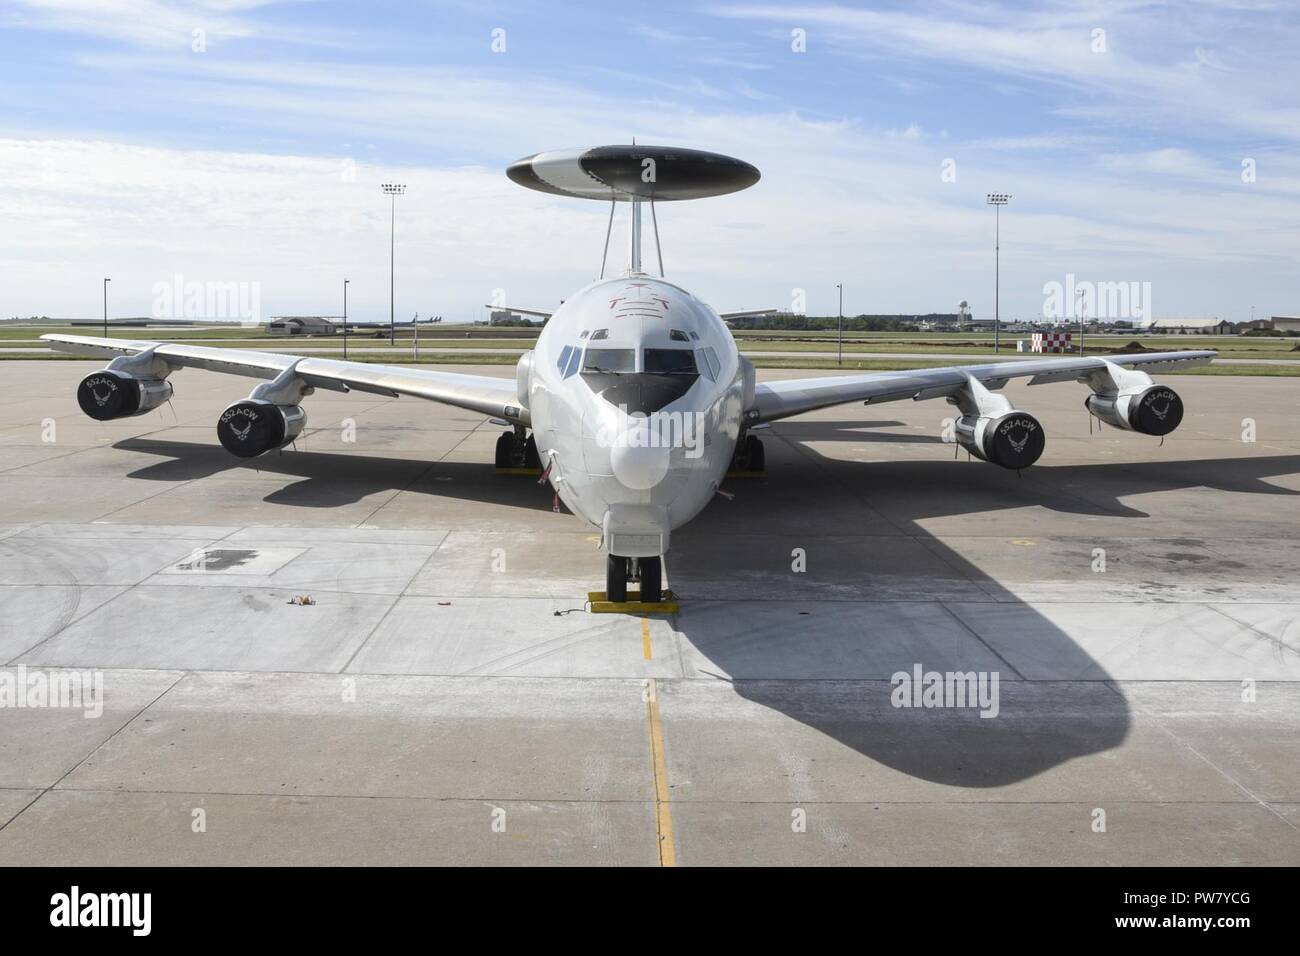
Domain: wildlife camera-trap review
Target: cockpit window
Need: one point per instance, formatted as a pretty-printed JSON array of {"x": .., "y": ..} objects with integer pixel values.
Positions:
[
  {"x": 677, "y": 335},
  {"x": 711, "y": 360},
  {"x": 609, "y": 360},
  {"x": 600, "y": 334},
  {"x": 670, "y": 362}
]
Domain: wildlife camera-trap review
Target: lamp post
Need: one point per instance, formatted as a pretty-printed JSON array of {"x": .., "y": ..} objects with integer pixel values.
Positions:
[
  {"x": 106, "y": 282},
  {"x": 997, "y": 201},
  {"x": 839, "y": 328},
  {"x": 393, "y": 190},
  {"x": 1082, "y": 316},
  {"x": 345, "y": 319}
]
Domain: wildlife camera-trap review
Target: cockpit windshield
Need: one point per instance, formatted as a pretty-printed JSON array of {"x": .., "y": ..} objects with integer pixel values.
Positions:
[
  {"x": 609, "y": 360},
  {"x": 670, "y": 362}
]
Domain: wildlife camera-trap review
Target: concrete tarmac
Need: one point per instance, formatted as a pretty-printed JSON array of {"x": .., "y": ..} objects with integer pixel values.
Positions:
[{"x": 447, "y": 698}]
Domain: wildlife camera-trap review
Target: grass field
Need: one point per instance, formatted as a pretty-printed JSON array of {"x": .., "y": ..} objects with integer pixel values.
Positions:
[{"x": 446, "y": 346}]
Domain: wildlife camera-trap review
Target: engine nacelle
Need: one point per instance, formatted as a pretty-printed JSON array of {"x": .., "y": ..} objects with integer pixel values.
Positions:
[
  {"x": 1154, "y": 410},
  {"x": 255, "y": 426},
  {"x": 524, "y": 377},
  {"x": 106, "y": 395},
  {"x": 1014, "y": 439}
]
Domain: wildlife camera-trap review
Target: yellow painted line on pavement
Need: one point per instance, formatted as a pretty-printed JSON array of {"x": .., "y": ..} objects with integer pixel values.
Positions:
[
  {"x": 645, "y": 639},
  {"x": 663, "y": 815}
]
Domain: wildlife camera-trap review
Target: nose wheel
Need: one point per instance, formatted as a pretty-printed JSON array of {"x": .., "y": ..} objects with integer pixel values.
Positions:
[{"x": 619, "y": 571}]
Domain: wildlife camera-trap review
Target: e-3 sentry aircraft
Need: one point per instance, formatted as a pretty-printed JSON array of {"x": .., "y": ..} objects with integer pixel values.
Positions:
[{"x": 635, "y": 402}]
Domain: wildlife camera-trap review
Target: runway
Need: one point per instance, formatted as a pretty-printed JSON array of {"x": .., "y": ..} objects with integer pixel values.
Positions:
[{"x": 447, "y": 699}]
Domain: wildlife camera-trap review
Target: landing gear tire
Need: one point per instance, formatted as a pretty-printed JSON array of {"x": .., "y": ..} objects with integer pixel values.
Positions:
[
  {"x": 652, "y": 577},
  {"x": 531, "y": 458},
  {"x": 616, "y": 574},
  {"x": 515, "y": 451},
  {"x": 505, "y": 449},
  {"x": 748, "y": 456}
]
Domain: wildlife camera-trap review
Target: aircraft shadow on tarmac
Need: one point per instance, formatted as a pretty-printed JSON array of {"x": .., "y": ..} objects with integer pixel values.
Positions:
[{"x": 714, "y": 557}]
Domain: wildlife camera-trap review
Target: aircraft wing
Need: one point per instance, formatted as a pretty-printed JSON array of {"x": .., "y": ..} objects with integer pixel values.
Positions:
[
  {"x": 486, "y": 394},
  {"x": 518, "y": 311},
  {"x": 775, "y": 400}
]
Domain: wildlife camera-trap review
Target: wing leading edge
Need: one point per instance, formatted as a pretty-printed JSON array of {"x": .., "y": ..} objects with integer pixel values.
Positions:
[
  {"x": 776, "y": 400},
  {"x": 497, "y": 397}
]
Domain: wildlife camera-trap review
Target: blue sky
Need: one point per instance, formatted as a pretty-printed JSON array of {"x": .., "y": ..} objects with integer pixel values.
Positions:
[{"x": 1120, "y": 128}]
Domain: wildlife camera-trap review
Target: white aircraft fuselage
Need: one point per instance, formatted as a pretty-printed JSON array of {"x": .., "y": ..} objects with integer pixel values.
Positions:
[{"x": 636, "y": 393}]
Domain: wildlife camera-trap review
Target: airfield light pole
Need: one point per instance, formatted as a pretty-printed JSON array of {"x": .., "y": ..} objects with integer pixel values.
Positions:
[
  {"x": 393, "y": 190},
  {"x": 839, "y": 328},
  {"x": 345, "y": 319},
  {"x": 997, "y": 201},
  {"x": 106, "y": 282},
  {"x": 1082, "y": 317}
]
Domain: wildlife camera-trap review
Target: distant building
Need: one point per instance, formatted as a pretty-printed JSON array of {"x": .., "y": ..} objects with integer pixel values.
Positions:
[
  {"x": 1286, "y": 323},
  {"x": 301, "y": 325},
  {"x": 1188, "y": 327}
]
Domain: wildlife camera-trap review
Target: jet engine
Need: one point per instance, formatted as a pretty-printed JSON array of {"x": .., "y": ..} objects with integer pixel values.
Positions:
[
  {"x": 992, "y": 430},
  {"x": 1013, "y": 440},
  {"x": 1151, "y": 410},
  {"x": 255, "y": 426},
  {"x": 108, "y": 394}
]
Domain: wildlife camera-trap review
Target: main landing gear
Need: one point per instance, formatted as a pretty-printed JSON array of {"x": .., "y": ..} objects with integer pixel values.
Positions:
[
  {"x": 517, "y": 453},
  {"x": 749, "y": 460},
  {"x": 649, "y": 571}
]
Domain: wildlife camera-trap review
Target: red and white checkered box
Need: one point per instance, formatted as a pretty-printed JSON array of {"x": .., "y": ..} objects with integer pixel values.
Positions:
[{"x": 1050, "y": 342}]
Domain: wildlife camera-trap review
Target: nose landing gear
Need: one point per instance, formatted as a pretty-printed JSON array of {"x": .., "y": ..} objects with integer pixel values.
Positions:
[{"x": 619, "y": 571}]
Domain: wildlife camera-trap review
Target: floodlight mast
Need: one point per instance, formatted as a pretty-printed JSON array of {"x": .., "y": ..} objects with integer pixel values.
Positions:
[
  {"x": 393, "y": 190},
  {"x": 997, "y": 201}
]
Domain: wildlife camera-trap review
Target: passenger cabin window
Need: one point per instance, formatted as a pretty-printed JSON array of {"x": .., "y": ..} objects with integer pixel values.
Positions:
[
  {"x": 670, "y": 362},
  {"x": 609, "y": 360}
]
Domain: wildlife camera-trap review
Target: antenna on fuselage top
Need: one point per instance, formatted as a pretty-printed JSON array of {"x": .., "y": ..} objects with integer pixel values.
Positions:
[{"x": 633, "y": 174}]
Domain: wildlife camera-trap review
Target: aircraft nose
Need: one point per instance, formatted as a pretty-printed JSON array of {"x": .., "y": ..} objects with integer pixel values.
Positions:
[{"x": 638, "y": 461}]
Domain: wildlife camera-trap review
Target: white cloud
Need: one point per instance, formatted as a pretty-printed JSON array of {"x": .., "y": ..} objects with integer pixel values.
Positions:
[{"x": 835, "y": 204}]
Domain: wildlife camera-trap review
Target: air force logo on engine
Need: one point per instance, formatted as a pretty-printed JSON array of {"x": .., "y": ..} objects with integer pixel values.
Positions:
[
  {"x": 94, "y": 383},
  {"x": 239, "y": 411}
]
